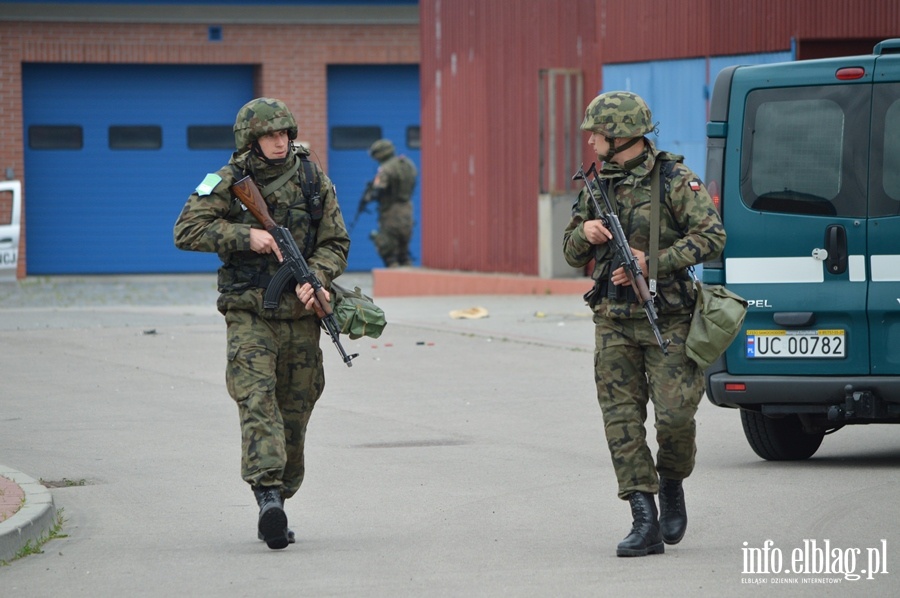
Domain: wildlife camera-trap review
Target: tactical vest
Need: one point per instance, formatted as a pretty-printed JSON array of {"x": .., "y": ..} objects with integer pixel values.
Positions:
[
  {"x": 603, "y": 287},
  {"x": 248, "y": 269}
]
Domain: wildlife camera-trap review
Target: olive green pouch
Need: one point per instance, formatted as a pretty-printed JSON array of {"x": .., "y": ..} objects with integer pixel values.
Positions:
[
  {"x": 356, "y": 314},
  {"x": 718, "y": 317}
]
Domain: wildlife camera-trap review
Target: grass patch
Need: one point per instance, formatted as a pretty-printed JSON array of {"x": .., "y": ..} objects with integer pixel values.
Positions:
[{"x": 36, "y": 547}]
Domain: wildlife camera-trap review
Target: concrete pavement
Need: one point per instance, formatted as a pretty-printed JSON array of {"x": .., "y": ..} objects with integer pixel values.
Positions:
[{"x": 455, "y": 458}]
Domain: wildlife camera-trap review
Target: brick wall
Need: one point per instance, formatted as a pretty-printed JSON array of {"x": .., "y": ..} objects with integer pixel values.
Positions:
[{"x": 291, "y": 63}]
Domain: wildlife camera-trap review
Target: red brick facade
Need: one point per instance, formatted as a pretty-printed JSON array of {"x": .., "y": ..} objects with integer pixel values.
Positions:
[{"x": 291, "y": 64}]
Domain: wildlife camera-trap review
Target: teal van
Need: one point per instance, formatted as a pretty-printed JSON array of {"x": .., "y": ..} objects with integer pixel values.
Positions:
[{"x": 804, "y": 162}]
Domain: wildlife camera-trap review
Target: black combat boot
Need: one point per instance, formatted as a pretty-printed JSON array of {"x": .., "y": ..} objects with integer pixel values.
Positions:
[
  {"x": 291, "y": 536},
  {"x": 272, "y": 526},
  {"x": 672, "y": 512},
  {"x": 644, "y": 538}
]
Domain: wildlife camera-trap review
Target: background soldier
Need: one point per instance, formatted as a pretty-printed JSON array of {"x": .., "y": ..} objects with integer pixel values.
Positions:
[
  {"x": 392, "y": 189},
  {"x": 630, "y": 367},
  {"x": 274, "y": 370}
]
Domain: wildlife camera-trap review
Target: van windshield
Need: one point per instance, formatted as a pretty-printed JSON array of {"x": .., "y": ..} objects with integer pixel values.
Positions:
[{"x": 804, "y": 150}]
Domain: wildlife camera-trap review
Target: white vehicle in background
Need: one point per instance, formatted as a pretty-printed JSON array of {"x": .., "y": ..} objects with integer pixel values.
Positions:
[{"x": 10, "y": 228}]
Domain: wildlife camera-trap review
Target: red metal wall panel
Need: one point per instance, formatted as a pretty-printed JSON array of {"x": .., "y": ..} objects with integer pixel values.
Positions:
[
  {"x": 641, "y": 30},
  {"x": 481, "y": 64}
]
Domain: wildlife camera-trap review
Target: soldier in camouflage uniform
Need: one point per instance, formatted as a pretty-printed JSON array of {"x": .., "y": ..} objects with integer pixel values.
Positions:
[
  {"x": 630, "y": 368},
  {"x": 274, "y": 364},
  {"x": 392, "y": 189}
]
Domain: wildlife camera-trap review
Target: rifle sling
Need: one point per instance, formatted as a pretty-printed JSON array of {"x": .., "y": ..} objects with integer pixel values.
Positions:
[
  {"x": 653, "y": 258},
  {"x": 277, "y": 183}
]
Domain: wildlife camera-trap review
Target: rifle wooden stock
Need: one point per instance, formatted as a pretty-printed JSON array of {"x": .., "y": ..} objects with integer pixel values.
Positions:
[{"x": 247, "y": 191}]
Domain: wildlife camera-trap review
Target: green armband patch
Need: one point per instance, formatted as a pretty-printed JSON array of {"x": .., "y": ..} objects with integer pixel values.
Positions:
[{"x": 207, "y": 185}]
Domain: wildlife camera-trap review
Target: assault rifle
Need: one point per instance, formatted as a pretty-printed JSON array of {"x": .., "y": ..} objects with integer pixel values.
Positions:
[
  {"x": 294, "y": 268},
  {"x": 363, "y": 204},
  {"x": 622, "y": 251}
]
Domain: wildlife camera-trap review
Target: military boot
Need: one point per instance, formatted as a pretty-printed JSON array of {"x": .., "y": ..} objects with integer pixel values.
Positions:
[
  {"x": 672, "y": 512},
  {"x": 644, "y": 538},
  {"x": 291, "y": 536},
  {"x": 272, "y": 526}
]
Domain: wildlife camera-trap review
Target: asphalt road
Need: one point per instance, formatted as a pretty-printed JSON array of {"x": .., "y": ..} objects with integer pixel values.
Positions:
[{"x": 455, "y": 458}]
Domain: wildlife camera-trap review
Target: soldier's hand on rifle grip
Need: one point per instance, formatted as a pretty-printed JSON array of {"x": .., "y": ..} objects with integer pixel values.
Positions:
[
  {"x": 261, "y": 241},
  {"x": 307, "y": 296},
  {"x": 596, "y": 233},
  {"x": 620, "y": 276}
]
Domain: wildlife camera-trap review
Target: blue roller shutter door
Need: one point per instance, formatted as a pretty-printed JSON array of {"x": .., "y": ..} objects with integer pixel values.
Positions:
[{"x": 108, "y": 206}]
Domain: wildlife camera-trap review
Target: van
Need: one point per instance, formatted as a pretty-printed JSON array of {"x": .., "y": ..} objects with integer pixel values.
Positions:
[{"x": 803, "y": 160}]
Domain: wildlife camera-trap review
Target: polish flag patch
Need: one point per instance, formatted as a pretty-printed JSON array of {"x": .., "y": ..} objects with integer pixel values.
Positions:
[{"x": 694, "y": 185}]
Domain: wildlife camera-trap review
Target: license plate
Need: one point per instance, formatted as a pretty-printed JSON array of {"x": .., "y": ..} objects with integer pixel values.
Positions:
[{"x": 795, "y": 344}]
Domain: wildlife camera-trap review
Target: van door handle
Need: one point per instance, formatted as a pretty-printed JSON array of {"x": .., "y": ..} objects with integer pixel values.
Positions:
[{"x": 836, "y": 245}]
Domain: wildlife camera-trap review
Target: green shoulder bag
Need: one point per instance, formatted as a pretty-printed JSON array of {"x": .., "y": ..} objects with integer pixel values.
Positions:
[{"x": 356, "y": 314}]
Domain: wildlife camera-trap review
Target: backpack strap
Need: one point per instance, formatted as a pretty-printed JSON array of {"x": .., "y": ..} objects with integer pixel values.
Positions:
[{"x": 312, "y": 188}]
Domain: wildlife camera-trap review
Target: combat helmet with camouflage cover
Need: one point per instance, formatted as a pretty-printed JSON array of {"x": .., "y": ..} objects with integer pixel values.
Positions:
[
  {"x": 381, "y": 150},
  {"x": 618, "y": 114},
  {"x": 260, "y": 117}
]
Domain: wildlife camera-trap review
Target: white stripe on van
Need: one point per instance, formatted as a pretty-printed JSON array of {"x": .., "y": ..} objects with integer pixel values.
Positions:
[
  {"x": 857, "y": 267},
  {"x": 786, "y": 270},
  {"x": 773, "y": 270},
  {"x": 885, "y": 268}
]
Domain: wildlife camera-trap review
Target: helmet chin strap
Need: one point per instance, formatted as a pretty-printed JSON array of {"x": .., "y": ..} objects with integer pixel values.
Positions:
[
  {"x": 613, "y": 150},
  {"x": 262, "y": 156}
]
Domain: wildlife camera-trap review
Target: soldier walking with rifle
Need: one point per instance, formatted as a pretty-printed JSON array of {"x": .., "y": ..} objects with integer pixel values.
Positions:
[
  {"x": 273, "y": 218},
  {"x": 642, "y": 302}
]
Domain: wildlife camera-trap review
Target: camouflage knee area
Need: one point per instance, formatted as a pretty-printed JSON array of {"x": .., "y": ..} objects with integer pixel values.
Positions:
[
  {"x": 386, "y": 246},
  {"x": 677, "y": 386},
  {"x": 250, "y": 379},
  {"x": 623, "y": 395},
  {"x": 301, "y": 380}
]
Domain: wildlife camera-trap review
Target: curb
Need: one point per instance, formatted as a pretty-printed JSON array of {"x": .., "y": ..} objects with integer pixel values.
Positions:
[
  {"x": 31, "y": 522},
  {"x": 414, "y": 282}
]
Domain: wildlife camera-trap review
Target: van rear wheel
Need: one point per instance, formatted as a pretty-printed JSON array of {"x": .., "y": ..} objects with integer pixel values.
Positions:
[{"x": 779, "y": 438}]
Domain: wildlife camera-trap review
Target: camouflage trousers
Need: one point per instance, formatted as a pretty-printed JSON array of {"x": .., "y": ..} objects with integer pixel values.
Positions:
[
  {"x": 275, "y": 376},
  {"x": 630, "y": 370},
  {"x": 394, "y": 232}
]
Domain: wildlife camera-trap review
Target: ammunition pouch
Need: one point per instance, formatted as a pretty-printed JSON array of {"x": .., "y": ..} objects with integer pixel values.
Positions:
[{"x": 604, "y": 289}]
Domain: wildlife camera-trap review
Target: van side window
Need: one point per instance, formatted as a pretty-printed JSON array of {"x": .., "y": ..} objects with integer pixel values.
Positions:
[
  {"x": 884, "y": 185},
  {"x": 803, "y": 151}
]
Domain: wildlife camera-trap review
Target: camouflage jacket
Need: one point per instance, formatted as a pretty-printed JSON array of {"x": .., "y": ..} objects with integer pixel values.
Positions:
[
  {"x": 396, "y": 178},
  {"x": 691, "y": 231},
  {"x": 214, "y": 220}
]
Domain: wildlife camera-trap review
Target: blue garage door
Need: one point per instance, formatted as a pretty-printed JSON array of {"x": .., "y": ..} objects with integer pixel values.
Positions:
[
  {"x": 112, "y": 153},
  {"x": 366, "y": 103}
]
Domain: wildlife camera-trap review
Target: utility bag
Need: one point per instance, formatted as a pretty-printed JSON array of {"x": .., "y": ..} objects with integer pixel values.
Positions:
[
  {"x": 717, "y": 320},
  {"x": 356, "y": 314}
]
